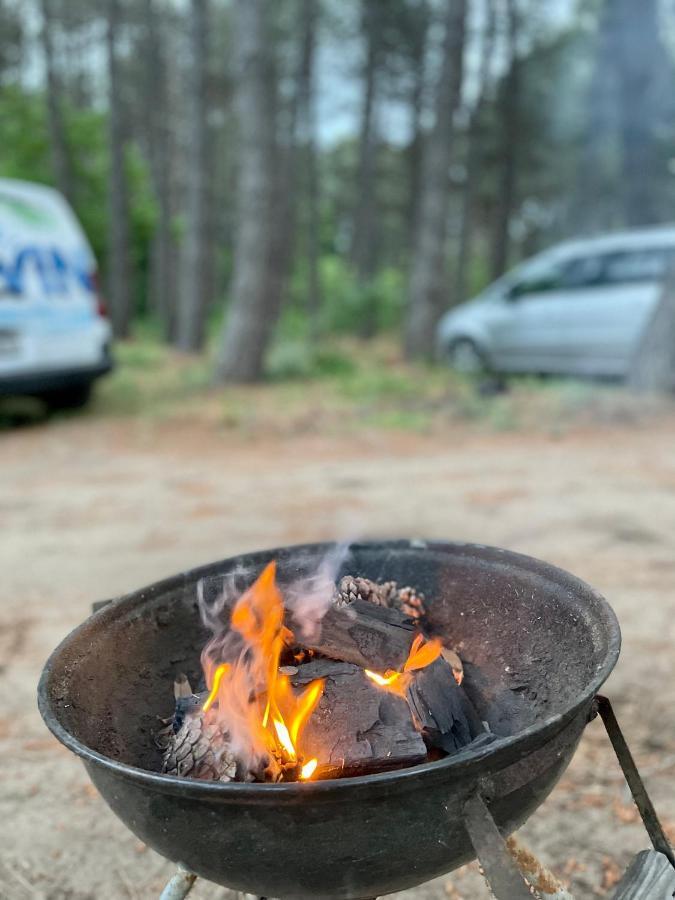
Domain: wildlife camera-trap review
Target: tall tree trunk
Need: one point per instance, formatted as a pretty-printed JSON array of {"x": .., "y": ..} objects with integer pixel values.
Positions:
[
  {"x": 473, "y": 154},
  {"x": 641, "y": 65},
  {"x": 509, "y": 109},
  {"x": 192, "y": 302},
  {"x": 119, "y": 258},
  {"x": 159, "y": 137},
  {"x": 253, "y": 309},
  {"x": 427, "y": 278},
  {"x": 653, "y": 367},
  {"x": 416, "y": 107},
  {"x": 306, "y": 139},
  {"x": 364, "y": 234},
  {"x": 57, "y": 137}
]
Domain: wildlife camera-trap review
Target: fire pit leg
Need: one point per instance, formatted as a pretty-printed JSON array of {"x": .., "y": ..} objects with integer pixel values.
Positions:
[
  {"x": 642, "y": 800},
  {"x": 501, "y": 872},
  {"x": 179, "y": 886}
]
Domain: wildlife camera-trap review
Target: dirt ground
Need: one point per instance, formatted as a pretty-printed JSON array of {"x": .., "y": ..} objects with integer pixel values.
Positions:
[{"x": 92, "y": 508}]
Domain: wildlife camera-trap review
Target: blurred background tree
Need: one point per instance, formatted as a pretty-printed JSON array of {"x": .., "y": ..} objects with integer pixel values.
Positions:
[{"x": 306, "y": 167}]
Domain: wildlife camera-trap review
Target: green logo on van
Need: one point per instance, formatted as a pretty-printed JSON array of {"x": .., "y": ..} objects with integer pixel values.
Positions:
[{"x": 22, "y": 209}]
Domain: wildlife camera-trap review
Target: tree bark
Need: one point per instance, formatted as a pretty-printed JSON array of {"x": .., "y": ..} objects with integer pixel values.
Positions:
[
  {"x": 427, "y": 278},
  {"x": 119, "y": 259},
  {"x": 253, "y": 308},
  {"x": 159, "y": 139},
  {"x": 192, "y": 301},
  {"x": 306, "y": 139},
  {"x": 57, "y": 137},
  {"x": 653, "y": 367},
  {"x": 416, "y": 106},
  {"x": 363, "y": 248},
  {"x": 473, "y": 154},
  {"x": 509, "y": 109}
]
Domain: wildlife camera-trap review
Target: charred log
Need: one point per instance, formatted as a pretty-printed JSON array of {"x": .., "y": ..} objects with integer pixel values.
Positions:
[
  {"x": 366, "y": 635},
  {"x": 441, "y": 709},
  {"x": 357, "y": 728}
]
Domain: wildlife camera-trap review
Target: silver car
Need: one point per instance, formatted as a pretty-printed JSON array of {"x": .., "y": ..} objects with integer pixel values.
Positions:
[{"x": 578, "y": 308}]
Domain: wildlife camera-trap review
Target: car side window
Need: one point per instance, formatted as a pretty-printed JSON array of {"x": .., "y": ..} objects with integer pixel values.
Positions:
[
  {"x": 633, "y": 266},
  {"x": 537, "y": 280},
  {"x": 584, "y": 271}
]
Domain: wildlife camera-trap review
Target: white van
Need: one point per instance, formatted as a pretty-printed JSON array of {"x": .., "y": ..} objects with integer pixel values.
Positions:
[
  {"x": 54, "y": 334},
  {"x": 579, "y": 308}
]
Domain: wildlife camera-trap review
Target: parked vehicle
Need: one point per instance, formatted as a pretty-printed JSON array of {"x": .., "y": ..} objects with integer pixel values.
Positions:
[
  {"x": 578, "y": 308},
  {"x": 54, "y": 334}
]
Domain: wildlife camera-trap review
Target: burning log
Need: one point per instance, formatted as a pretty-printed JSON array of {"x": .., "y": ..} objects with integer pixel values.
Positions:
[{"x": 357, "y": 728}]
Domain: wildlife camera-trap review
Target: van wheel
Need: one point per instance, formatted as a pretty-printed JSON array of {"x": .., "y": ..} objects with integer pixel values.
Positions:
[
  {"x": 464, "y": 356},
  {"x": 74, "y": 397}
]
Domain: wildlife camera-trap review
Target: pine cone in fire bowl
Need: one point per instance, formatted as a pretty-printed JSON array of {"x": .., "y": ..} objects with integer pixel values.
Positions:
[{"x": 386, "y": 593}]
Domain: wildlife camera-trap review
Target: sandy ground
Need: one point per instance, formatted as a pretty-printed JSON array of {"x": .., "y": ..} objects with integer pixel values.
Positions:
[{"x": 90, "y": 509}]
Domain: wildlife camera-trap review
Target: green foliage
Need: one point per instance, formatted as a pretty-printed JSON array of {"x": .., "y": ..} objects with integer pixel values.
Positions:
[{"x": 348, "y": 307}]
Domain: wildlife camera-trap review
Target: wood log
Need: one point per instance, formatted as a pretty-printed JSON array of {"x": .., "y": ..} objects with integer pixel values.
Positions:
[
  {"x": 357, "y": 728},
  {"x": 441, "y": 709},
  {"x": 373, "y": 637}
]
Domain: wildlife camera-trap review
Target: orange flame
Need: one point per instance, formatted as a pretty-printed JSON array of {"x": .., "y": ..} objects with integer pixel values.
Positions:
[
  {"x": 422, "y": 654},
  {"x": 308, "y": 769},
  {"x": 262, "y": 711}
]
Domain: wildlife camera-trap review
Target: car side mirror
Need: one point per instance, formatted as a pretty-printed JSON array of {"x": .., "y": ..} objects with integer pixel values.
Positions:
[{"x": 513, "y": 294}]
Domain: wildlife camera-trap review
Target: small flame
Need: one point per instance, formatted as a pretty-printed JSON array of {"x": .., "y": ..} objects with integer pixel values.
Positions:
[
  {"x": 308, "y": 769},
  {"x": 285, "y": 739},
  {"x": 222, "y": 669},
  {"x": 422, "y": 654},
  {"x": 385, "y": 680}
]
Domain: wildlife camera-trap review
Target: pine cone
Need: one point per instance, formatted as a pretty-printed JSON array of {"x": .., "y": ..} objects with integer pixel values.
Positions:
[
  {"x": 199, "y": 749},
  {"x": 387, "y": 593},
  {"x": 411, "y": 602},
  {"x": 350, "y": 589}
]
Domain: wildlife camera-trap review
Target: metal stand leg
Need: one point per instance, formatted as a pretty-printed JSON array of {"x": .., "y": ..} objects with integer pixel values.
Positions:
[
  {"x": 179, "y": 886},
  {"x": 645, "y": 807},
  {"x": 501, "y": 872}
]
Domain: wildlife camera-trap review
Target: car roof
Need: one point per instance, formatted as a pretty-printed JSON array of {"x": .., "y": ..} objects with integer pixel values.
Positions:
[{"x": 636, "y": 239}]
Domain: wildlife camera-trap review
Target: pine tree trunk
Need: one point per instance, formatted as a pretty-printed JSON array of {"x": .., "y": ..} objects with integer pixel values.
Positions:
[
  {"x": 158, "y": 139},
  {"x": 306, "y": 139},
  {"x": 192, "y": 301},
  {"x": 510, "y": 102},
  {"x": 119, "y": 260},
  {"x": 253, "y": 310},
  {"x": 653, "y": 367},
  {"x": 414, "y": 150},
  {"x": 427, "y": 286},
  {"x": 57, "y": 137},
  {"x": 473, "y": 156}
]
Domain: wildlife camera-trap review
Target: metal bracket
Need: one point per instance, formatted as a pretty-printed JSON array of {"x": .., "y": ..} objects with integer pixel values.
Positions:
[{"x": 650, "y": 820}]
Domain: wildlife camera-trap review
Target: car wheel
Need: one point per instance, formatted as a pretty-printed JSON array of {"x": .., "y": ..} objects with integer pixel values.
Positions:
[
  {"x": 464, "y": 356},
  {"x": 74, "y": 397}
]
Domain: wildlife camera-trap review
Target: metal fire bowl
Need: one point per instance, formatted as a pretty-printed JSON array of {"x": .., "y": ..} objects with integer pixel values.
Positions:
[{"x": 537, "y": 644}]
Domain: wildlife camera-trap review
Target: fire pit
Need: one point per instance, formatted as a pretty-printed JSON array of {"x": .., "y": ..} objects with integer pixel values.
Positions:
[{"x": 536, "y": 643}]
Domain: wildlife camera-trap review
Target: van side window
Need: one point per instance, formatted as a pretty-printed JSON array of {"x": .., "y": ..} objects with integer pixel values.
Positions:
[{"x": 639, "y": 265}]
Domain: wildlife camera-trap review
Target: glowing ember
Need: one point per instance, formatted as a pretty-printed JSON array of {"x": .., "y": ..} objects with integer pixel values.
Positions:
[
  {"x": 262, "y": 712},
  {"x": 308, "y": 769}
]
